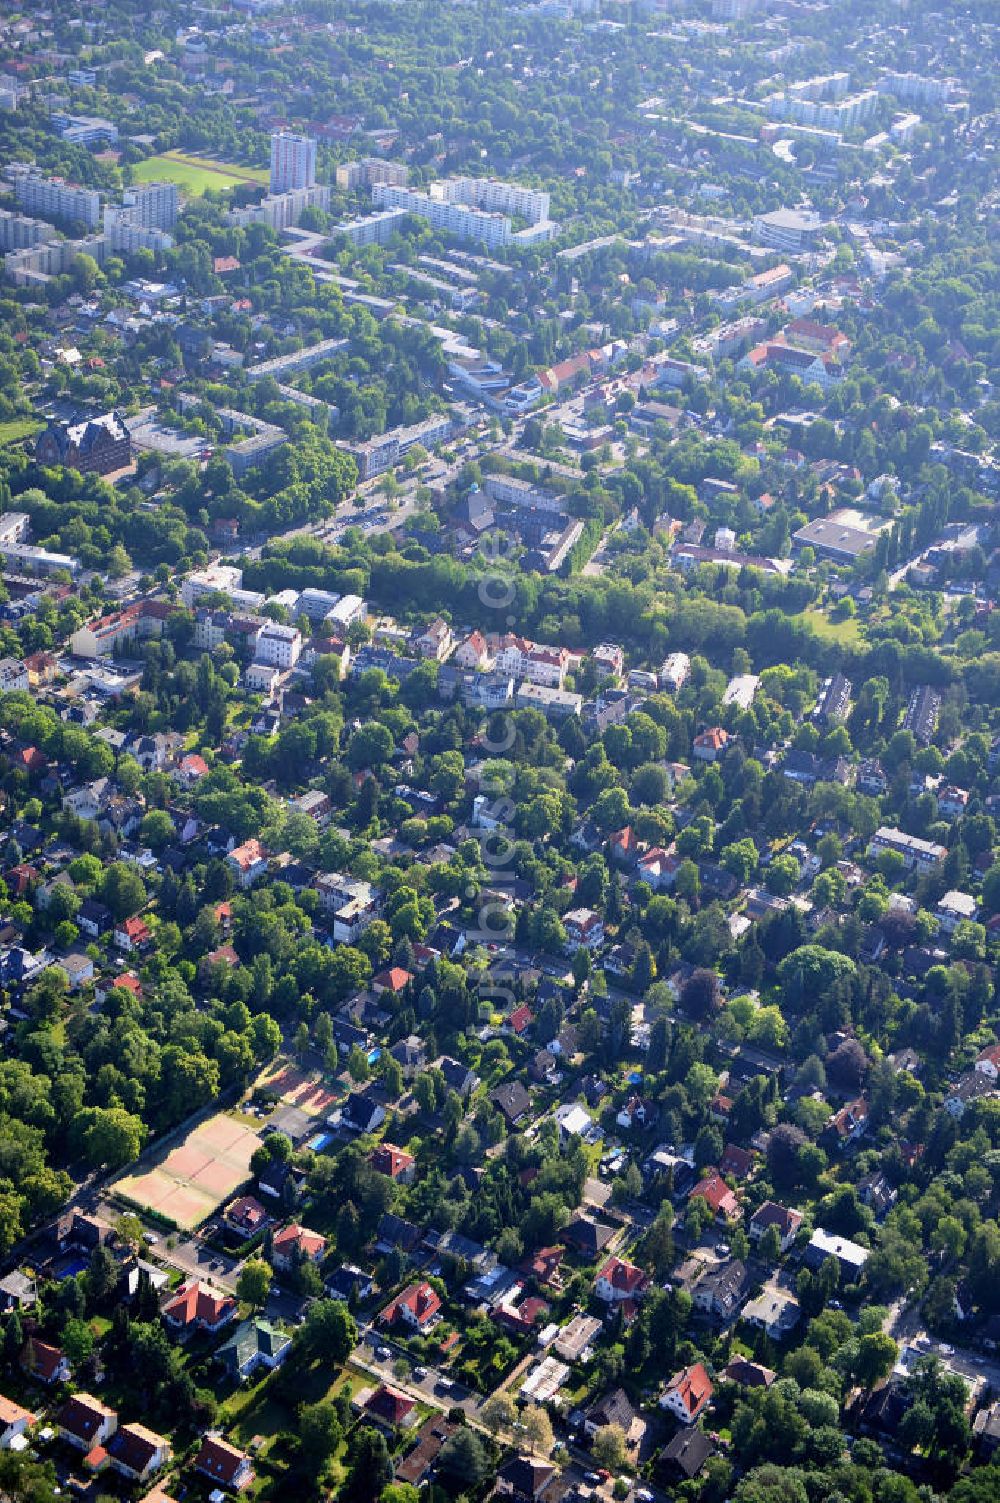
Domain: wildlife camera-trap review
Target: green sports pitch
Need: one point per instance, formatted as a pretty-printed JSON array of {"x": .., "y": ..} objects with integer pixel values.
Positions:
[{"x": 193, "y": 174}]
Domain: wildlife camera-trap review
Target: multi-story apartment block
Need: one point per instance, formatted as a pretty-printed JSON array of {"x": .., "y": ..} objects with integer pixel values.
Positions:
[
  {"x": 52, "y": 198},
  {"x": 19, "y": 232},
  {"x": 121, "y": 629},
  {"x": 923, "y": 854},
  {"x": 494, "y": 197},
  {"x": 153, "y": 205},
  {"x": 282, "y": 211},
  {"x": 917, "y": 88},
  {"x": 369, "y": 171},
  {"x": 353, "y": 903},
  {"x": 461, "y": 218},
  {"x": 279, "y": 645},
  {"x": 293, "y": 161}
]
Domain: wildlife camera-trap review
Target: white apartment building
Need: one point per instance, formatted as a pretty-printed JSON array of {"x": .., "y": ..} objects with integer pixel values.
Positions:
[
  {"x": 458, "y": 219},
  {"x": 349, "y": 608},
  {"x": 279, "y": 646},
  {"x": 352, "y": 902},
  {"x": 201, "y": 582},
  {"x": 293, "y": 161},
  {"x": 125, "y": 236},
  {"x": 50, "y": 258},
  {"x": 298, "y": 360},
  {"x": 924, "y": 854},
  {"x": 494, "y": 197},
  {"x": 916, "y": 87},
  {"x": 282, "y": 211},
  {"x": 153, "y": 205},
  {"x": 372, "y": 229},
  {"x": 52, "y": 198},
  {"x": 510, "y": 491},
  {"x": 369, "y": 171},
  {"x": 13, "y": 676},
  {"x": 316, "y": 604},
  {"x": 14, "y": 526},
  {"x": 545, "y": 666}
]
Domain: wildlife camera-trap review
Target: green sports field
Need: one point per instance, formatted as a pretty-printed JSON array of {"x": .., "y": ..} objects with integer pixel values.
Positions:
[{"x": 193, "y": 175}]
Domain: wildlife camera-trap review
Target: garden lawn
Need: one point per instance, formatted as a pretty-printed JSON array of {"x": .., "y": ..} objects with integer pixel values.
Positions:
[
  {"x": 15, "y": 429},
  {"x": 846, "y": 632}
]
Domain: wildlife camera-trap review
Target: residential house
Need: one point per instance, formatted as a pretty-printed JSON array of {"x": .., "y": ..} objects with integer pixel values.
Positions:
[
  {"x": 132, "y": 934},
  {"x": 410, "y": 1055},
  {"x": 418, "y": 1307},
  {"x": 138, "y": 1453},
  {"x": 612, "y": 1408},
  {"x": 45, "y": 1363},
  {"x": 637, "y": 1112},
  {"x": 348, "y": 1282},
  {"x": 584, "y": 929},
  {"x": 849, "y": 1124},
  {"x": 78, "y": 968},
  {"x": 619, "y": 1282},
  {"x": 775, "y": 1311},
  {"x": 223, "y": 1464},
  {"x": 388, "y": 1408},
  {"x": 93, "y": 918},
  {"x": 416, "y": 1467},
  {"x": 18, "y": 1291},
  {"x": 524, "y": 1479},
  {"x": 659, "y": 868},
  {"x": 295, "y": 1245},
  {"x": 850, "y": 1256},
  {"x": 587, "y": 1236},
  {"x": 718, "y": 1196},
  {"x": 720, "y": 1292},
  {"x": 511, "y": 1100},
  {"x": 472, "y": 654},
  {"x": 255, "y": 1345},
  {"x": 395, "y": 1162},
  {"x": 688, "y": 1393},
  {"x": 196, "y": 1307},
  {"x": 361, "y": 1113},
  {"x": 748, "y": 1374},
  {"x": 14, "y": 1422},
  {"x": 247, "y": 862},
  {"x": 686, "y": 1453},
  {"x": 84, "y": 1422},
  {"x": 396, "y": 1232},
  {"x": 709, "y": 745},
  {"x": 435, "y": 642},
  {"x": 247, "y": 1216},
  {"x": 955, "y": 908},
  {"x": 773, "y": 1214}
]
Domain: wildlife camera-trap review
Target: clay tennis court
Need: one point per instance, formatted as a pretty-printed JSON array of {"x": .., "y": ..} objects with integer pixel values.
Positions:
[
  {"x": 196, "y": 1176},
  {"x": 305, "y": 1089}
]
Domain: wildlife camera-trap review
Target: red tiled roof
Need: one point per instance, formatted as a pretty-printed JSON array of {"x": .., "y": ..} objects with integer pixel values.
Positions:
[
  {"x": 390, "y": 1160},
  {"x": 623, "y": 1276},
  {"x": 195, "y": 1304},
  {"x": 295, "y": 1237},
  {"x": 693, "y": 1386},
  {"x": 716, "y": 1192}
]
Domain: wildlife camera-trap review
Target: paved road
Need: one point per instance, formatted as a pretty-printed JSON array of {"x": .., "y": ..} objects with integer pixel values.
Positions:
[
  {"x": 429, "y": 1389},
  {"x": 905, "y": 1323}
]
